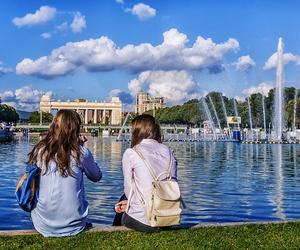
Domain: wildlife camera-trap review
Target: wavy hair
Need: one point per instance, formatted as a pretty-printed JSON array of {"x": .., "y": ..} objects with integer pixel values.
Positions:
[
  {"x": 60, "y": 143},
  {"x": 145, "y": 127}
]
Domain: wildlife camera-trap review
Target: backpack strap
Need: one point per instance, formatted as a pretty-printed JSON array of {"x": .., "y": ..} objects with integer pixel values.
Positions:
[
  {"x": 132, "y": 190},
  {"x": 146, "y": 163}
]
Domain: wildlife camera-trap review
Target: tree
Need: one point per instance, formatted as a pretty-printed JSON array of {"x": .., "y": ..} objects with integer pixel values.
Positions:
[
  {"x": 192, "y": 112},
  {"x": 8, "y": 113},
  {"x": 35, "y": 117}
]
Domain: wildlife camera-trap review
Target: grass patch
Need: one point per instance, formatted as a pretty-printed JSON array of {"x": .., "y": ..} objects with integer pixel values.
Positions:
[{"x": 271, "y": 236}]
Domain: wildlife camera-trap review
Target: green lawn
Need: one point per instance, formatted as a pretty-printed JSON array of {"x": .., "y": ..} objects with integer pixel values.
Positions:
[{"x": 271, "y": 236}]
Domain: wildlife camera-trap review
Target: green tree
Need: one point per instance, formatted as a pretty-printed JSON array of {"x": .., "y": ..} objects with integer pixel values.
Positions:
[
  {"x": 8, "y": 113},
  {"x": 192, "y": 112},
  {"x": 188, "y": 113},
  {"x": 35, "y": 117}
]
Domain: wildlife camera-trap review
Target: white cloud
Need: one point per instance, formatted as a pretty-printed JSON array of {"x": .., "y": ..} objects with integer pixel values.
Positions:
[
  {"x": 78, "y": 23},
  {"x": 244, "y": 63},
  {"x": 262, "y": 88},
  {"x": 24, "y": 98},
  {"x": 287, "y": 57},
  {"x": 126, "y": 98},
  {"x": 142, "y": 11},
  {"x": 102, "y": 54},
  {"x": 120, "y": 1},
  {"x": 174, "y": 38},
  {"x": 4, "y": 70},
  {"x": 239, "y": 98},
  {"x": 62, "y": 27},
  {"x": 175, "y": 86},
  {"x": 42, "y": 15},
  {"x": 7, "y": 95},
  {"x": 45, "y": 67},
  {"x": 28, "y": 94},
  {"x": 46, "y": 35}
]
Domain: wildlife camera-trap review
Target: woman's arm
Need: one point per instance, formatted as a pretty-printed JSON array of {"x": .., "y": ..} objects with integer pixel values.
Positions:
[
  {"x": 127, "y": 171},
  {"x": 90, "y": 167}
]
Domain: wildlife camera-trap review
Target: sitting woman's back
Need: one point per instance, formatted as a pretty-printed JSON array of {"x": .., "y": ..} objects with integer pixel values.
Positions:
[
  {"x": 61, "y": 208},
  {"x": 160, "y": 158},
  {"x": 146, "y": 160}
]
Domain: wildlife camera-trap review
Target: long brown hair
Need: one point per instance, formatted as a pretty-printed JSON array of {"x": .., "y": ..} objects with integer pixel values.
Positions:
[
  {"x": 145, "y": 127},
  {"x": 60, "y": 143}
]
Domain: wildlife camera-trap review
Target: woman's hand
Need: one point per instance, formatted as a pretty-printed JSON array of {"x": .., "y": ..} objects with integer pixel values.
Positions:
[
  {"x": 82, "y": 139},
  {"x": 120, "y": 207}
]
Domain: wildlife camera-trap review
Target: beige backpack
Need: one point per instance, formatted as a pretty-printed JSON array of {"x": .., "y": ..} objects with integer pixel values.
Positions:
[{"x": 163, "y": 207}]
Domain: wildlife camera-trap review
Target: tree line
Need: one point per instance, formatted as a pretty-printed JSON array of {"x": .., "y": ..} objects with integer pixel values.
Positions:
[
  {"x": 8, "y": 113},
  {"x": 193, "y": 113}
]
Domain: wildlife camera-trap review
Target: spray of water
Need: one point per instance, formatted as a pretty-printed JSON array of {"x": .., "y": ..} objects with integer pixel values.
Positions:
[
  {"x": 209, "y": 117},
  {"x": 215, "y": 111},
  {"x": 264, "y": 112},
  {"x": 250, "y": 117},
  {"x": 295, "y": 109},
  {"x": 224, "y": 110},
  {"x": 278, "y": 117},
  {"x": 236, "y": 113}
]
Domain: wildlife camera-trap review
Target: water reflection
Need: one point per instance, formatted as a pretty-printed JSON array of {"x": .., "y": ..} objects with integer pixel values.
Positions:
[
  {"x": 278, "y": 197},
  {"x": 220, "y": 182}
]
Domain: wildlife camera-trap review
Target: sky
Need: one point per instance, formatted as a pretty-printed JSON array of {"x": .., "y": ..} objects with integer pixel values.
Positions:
[{"x": 176, "y": 49}]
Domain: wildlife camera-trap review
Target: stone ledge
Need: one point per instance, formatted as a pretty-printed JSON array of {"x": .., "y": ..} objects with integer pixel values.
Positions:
[
  {"x": 234, "y": 224},
  {"x": 108, "y": 228},
  {"x": 95, "y": 228}
]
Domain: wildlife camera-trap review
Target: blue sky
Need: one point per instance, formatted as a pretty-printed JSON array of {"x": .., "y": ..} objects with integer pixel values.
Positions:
[{"x": 37, "y": 52}]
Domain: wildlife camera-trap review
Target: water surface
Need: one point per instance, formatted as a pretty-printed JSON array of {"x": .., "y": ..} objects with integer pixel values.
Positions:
[{"x": 220, "y": 181}]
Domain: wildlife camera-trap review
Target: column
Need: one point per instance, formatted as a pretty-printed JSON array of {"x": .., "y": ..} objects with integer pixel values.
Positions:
[
  {"x": 95, "y": 116},
  {"x": 86, "y": 116},
  {"x": 113, "y": 117},
  {"x": 104, "y": 116},
  {"x": 110, "y": 117}
]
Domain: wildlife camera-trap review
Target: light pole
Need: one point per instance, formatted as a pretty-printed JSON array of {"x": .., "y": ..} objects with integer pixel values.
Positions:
[
  {"x": 41, "y": 117},
  {"x": 153, "y": 109}
]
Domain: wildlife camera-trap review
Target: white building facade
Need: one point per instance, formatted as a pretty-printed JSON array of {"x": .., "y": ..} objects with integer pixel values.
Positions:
[
  {"x": 108, "y": 113},
  {"x": 145, "y": 102}
]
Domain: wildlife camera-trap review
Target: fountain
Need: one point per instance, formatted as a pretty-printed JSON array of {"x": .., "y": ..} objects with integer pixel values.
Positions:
[
  {"x": 212, "y": 124},
  {"x": 224, "y": 111},
  {"x": 236, "y": 113},
  {"x": 215, "y": 112},
  {"x": 295, "y": 110},
  {"x": 279, "y": 133},
  {"x": 264, "y": 113},
  {"x": 278, "y": 116},
  {"x": 209, "y": 117},
  {"x": 123, "y": 128},
  {"x": 250, "y": 118}
]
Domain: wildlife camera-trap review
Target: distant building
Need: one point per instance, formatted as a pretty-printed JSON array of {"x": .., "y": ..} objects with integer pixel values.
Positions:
[
  {"x": 145, "y": 102},
  {"x": 109, "y": 113}
]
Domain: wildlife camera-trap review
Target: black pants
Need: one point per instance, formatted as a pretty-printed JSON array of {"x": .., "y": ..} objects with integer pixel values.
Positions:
[{"x": 123, "y": 219}]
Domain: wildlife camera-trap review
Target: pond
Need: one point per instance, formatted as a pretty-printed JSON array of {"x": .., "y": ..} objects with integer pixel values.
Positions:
[{"x": 220, "y": 181}]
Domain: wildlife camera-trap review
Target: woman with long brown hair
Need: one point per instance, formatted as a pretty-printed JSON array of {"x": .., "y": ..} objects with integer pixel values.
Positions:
[
  {"x": 61, "y": 208},
  {"x": 146, "y": 142}
]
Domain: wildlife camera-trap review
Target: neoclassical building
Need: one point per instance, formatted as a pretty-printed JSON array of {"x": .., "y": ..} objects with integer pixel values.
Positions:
[
  {"x": 145, "y": 102},
  {"x": 109, "y": 113}
]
